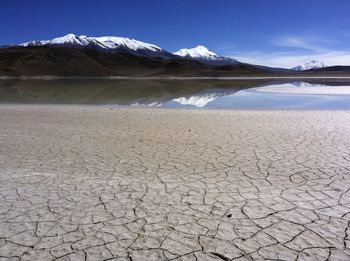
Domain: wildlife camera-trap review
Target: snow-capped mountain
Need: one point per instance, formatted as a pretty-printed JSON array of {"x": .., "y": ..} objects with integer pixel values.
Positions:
[
  {"x": 128, "y": 45},
  {"x": 69, "y": 39},
  {"x": 203, "y": 54},
  {"x": 311, "y": 65},
  {"x": 109, "y": 43},
  {"x": 200, "y": 52}
]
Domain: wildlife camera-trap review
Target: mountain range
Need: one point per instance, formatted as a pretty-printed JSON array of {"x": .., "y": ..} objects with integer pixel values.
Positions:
[
  {"x": 131, "y": 46},
  {"x": 73, "y": 55}
]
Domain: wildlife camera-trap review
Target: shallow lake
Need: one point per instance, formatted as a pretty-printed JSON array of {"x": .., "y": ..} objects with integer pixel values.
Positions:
[{"x": 215, "y": 94}]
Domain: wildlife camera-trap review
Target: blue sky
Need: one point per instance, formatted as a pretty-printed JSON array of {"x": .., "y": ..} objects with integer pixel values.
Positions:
[{"x": 269, "y": 32}]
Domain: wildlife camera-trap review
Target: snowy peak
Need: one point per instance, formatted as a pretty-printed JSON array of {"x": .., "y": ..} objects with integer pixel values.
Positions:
[
  {"x": 203, "y": 54},
  {"x": 311, "y": 65},
  {"x": 200, "y": 51},
  {"x": 113, "y": 42},
  {"x": 69, "y": 39},
  {"x": 110, "y": 43}
]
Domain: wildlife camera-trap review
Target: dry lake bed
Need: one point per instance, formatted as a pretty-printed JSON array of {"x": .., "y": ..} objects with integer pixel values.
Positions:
[{"x": 100, "y": 183}]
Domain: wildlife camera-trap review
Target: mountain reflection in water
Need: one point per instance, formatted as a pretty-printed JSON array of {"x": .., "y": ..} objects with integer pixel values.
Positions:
[{"x": 229, "y": 94}]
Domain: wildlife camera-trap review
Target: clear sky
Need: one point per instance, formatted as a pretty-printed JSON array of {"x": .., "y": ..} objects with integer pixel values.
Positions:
[{"x": 269, "y": 32}]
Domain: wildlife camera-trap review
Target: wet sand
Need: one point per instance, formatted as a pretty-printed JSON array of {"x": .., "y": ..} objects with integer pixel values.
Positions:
[{"x": 94, "y": 183}]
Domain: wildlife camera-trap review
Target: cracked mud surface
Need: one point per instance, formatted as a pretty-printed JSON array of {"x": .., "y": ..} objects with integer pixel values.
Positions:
[{"x": 85, "y": 183}]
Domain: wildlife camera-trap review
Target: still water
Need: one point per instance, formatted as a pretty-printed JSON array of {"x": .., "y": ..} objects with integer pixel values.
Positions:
[{"x": 215, "y": 94}]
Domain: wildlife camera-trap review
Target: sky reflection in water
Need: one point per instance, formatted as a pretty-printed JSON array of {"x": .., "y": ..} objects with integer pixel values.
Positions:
[
  {"x": 213, "y": 94},
  {"x": 252, "y": 99}
]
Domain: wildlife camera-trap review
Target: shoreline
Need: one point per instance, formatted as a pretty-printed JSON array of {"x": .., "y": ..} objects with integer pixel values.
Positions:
[
  {"x": 50, "y": 77},
  {"x": 111, "y": 107}
]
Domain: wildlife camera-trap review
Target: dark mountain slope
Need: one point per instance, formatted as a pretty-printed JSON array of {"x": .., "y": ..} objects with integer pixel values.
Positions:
[{"x": 64, "y": 61}]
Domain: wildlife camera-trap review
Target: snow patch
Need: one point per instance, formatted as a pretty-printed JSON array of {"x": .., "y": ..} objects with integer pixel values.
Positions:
[{"x": 311, "y": 65}]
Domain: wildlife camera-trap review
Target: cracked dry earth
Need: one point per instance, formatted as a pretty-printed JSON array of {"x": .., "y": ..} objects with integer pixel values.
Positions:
[{"x": 89, "y": 183}]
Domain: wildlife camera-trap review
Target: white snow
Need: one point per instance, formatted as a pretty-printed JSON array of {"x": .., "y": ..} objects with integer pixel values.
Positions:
[
  {"x": 113, "y": 42},
  {"x": 34, "y": 43},
  {"x": 106, "y": 42},
  {"x": 311, "y": 65},
  {"x": 200, "y": 51},
  {"x": 69, "y": 38}
]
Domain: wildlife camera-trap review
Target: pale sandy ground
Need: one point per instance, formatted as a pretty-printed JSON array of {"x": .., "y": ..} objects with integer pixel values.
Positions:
[
  {"x": 87, "y": 183},
  {"x": 328, "y": 90}
]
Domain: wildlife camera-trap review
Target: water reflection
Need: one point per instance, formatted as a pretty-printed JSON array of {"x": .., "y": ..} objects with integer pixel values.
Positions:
[
  {"x": 197, "y": 100},
  {"x": 233, "y": 94}
]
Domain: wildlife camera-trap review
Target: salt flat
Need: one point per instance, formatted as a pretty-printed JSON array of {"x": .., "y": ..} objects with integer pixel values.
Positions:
[{"x": 94, "y": 183}]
